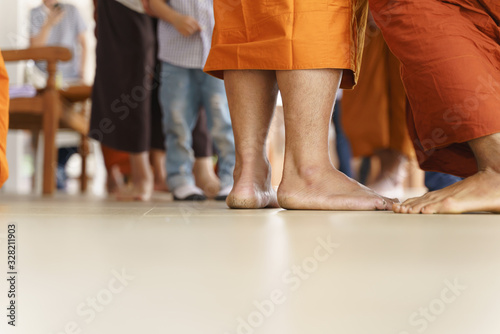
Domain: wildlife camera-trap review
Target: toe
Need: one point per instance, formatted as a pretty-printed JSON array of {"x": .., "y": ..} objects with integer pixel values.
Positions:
[
  {"x": 417, "y": 207},
  {"x": 404, "y": 208},
  {"x": 396, "y": 207},
  {"x": 430, "y": 208}
]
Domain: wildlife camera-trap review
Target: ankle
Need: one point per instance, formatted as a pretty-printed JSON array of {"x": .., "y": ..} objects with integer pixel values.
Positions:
[
  {"x": 307, "y": 172},
  {"x": 248, "y": 165}
]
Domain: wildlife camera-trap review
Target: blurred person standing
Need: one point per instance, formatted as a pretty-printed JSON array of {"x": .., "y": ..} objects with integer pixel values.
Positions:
[
  {"x": 121, "y": 96},
  {"x": 60, "y": 24},
  {"x": 184, "y": 36},
  {"x": 374, "y": 116},
  {"x": 118, "y": 156}
]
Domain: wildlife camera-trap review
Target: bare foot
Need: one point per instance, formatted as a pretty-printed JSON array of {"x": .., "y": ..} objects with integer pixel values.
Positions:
[
  {"x": 205, "y": 177},
  {"x": 325, "y": 188},
  {"x": 157, "y": 161},
  {"x": 390, "y": 181},
  {"x": 252, "y": 189},
  {"x": 115, "y": 180},
  {"x": 480, "y": 192},
  {"x": 141, "y": 193},
  {"x": 161, "y": 186},
  {"x": 141, "y": 177}
]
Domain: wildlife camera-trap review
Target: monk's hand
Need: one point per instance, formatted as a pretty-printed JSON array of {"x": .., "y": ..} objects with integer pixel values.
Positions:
[{"x": 186, "y": 25}]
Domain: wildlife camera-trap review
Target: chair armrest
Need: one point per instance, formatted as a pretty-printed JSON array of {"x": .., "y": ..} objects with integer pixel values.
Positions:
[{"x": 48, "y": 53}]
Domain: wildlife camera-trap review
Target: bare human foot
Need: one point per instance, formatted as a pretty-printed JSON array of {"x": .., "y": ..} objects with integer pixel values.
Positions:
[
  {"x": 115, "y": 180},
  {"x": 325, "y": 188},
  {"x": 252, "y": 188},
  {"x": 141, "y": 188},
  {"x": 393, "y": 172},
  {"x": 310, "y": 182},
  {"x": 205, "y": 177},
  {"x": 157, "y": 161},
  {"x": 141, "y": 193},
  {"x": 479, "y": 192}
]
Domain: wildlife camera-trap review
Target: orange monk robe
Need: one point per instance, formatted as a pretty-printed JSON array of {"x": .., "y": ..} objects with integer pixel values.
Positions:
[
  {"x": 4, "y": 121},
  {"x": 374, "y": 112},
  {"x": 288, "y": 35},
  {"x": 450, "y": 55}
]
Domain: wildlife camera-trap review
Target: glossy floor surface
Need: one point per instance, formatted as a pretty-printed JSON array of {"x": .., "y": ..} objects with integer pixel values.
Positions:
[{"x": 88, "y": 265}]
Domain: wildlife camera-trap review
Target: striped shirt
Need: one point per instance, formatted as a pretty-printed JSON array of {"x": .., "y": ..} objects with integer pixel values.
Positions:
[
  {"x": 192, "y": 51},
  {"x": 64, "y": 33}
]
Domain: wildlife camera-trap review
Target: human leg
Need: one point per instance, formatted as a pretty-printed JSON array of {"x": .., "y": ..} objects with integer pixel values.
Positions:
[
  {"x": 219, "y": 122},
  {"x": 180, "y": 111},
  {"x": 203, "y": 167},
  {"x": 309, "y": 179},
  {"x": 251, "y": 98}
]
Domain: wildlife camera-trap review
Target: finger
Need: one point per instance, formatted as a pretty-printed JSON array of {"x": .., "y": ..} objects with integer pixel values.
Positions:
[{"x": 194, "y": 27}]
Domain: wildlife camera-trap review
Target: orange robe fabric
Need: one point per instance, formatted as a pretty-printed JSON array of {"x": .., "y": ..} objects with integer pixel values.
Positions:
[
  {"x": 450, "y": 55},
  {"x": 374, "y": 112},
  {"x": 288, "y": 35},
  {"x": 4, "y": 121},
  {"x": 114, "y": 157}
]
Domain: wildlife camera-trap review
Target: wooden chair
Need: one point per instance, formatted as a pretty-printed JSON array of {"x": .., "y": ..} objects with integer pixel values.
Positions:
[{"x": 51, "y": 109}]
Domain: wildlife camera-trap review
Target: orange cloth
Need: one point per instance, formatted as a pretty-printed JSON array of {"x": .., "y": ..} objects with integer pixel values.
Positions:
[
  {"x": 288, "y": 35},
  {"x": 374, "y": 112},
  {"x": 114, "y": 157},
  {"x": 450, "y": 55},
  {"x": 4, "y": 121}
]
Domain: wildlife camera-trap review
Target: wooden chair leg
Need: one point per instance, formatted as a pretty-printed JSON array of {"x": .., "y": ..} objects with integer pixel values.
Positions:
[
  {"x": 35, "y": 136},
  {"x": 84, "y": 152},
  {"x": 50, "y": 125}
]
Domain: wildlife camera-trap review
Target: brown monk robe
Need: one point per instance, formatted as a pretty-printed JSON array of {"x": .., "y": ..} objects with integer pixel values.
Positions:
[
  {"x": 450, "y": 55},
  {"x": 306, "y": 49},
  {"x": 374, "y": 114},
  {"x": 4, "y": 121}
]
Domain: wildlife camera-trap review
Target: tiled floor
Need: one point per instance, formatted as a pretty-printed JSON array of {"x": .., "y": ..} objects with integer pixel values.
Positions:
[{"x": 88, "y": 265}]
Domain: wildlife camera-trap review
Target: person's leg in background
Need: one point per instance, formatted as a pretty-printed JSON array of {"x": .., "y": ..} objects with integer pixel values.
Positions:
[
  {"x": 117, "y": 164},
  {"x": 141, "y": 177},
  {"x": 180, "y": 107},
  {"x": 394, "y": 159},
  {"x": 342, "y": 143},
  {"x": 435, "y": 180},
  {"x": 219, "y": 122},
  {"x": 63, "y": 155},
  {"x": 120, "y": 116},
  {"x": 157, "y": 151},
  {"x": 203, "y": 168},
  {"x": 375, "y": 117}
]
